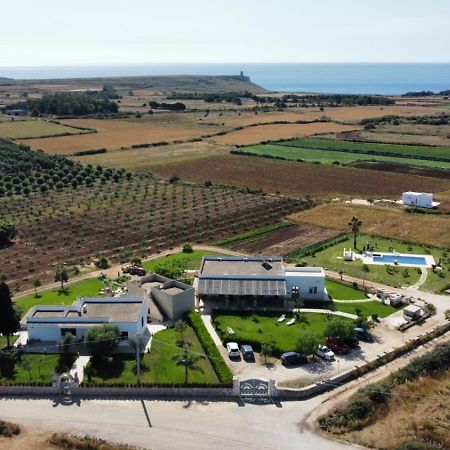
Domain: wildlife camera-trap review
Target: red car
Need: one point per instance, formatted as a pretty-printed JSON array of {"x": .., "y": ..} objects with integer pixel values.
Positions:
[{"x": 337, "y": 345}]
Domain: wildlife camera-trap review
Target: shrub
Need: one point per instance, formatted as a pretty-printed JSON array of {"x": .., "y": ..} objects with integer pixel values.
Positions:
[
  {"x": 8, "y": 429},
  {"x": 187, "y": 248},
  {"x": 212, "y": 352},
  {"x": 102, "y": 262},
  {"x": 68, "y": 441}
]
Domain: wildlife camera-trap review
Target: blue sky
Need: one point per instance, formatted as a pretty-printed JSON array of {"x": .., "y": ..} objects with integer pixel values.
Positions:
[{"x": 63, "y": 32}]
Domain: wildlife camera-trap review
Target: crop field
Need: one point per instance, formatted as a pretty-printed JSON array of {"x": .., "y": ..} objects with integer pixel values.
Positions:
[
  {"x": 390, "y": 222},
  {"x": 371, "y": 148},
  {"x": 143, "y": 159},
  {"x": 21, "y": 129},
  {"x": 254, "y": 135},
  {"x": 282, "y": 241},
  {"x": 300, "y": 178},
  {"x": 133, "y": 217},
  {"x": 333, "y": 157},
  {"x": 405, "y": 138},
  {"x": 116, "y": 133}
]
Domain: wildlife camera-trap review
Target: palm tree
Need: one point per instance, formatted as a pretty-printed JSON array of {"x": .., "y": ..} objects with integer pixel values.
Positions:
[
  {"x": 188, "y": 360},
  {"x": 355, "y": 225}
]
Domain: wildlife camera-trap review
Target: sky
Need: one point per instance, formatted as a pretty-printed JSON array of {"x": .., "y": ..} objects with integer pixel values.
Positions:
[{"x": 96, "y": 32}]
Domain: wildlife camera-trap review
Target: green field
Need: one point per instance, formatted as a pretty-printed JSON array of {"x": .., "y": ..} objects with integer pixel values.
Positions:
[
  {"x": 366, "y": 309},
  {"x": 32, "y": 128},
  {"x": 295, "y": 153},
  {"x": 331, "y": 259},
  {"x": 338, "y": 291},
  {"x": 85, "y": 288},
  {"x": 367, "y": 147},
  {"x": 191, "y": 260},
  {"x": 157, "y": 366},
  {"x": 266, "y": 329},
  {"x": 41, "y": 369}
]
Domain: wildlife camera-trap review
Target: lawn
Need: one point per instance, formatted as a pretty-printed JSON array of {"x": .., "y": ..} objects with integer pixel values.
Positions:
[
  {"x": 85, "y": 288},
  {"x": 41, "y": 369},
  {"x": 366, "y": 309},
  {"x": 258, "y": 329},
  {"x": 340, "y": 291},
  {"x": 295, "y": 153},
  {"x": 331, "y": 259},
  {"x": 191, "y": 260},
  {"x": 157, "y": 366}
]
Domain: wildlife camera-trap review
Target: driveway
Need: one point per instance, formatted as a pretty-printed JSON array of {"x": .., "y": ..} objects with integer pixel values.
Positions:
[{"x": 172, "y": 425}]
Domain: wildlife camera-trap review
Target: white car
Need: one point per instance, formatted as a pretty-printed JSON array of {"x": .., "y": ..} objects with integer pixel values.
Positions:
[
  {"x": 233, "y": 350},
  {"x": 324, "y": 352}
]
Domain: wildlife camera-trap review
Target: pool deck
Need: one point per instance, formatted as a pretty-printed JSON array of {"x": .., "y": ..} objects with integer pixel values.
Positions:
[{"x": 368, "y": 259}]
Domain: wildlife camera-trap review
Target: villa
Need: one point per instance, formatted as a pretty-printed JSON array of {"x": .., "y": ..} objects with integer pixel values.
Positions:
[
  {"x": 257, "y": 282},
  {"x": 51, "y": 323}
]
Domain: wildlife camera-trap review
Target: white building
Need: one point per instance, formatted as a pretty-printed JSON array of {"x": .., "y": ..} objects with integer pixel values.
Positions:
[
  {"x": 419, "y": 199},
  {"x": 51, "y": 323},
  {"x": 258, "y": 282}
]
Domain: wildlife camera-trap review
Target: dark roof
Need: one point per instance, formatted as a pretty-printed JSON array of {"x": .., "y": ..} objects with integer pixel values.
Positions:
[{"x": 241, "y": 287}]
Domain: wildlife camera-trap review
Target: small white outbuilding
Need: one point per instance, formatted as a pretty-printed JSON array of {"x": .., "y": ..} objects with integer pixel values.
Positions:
[{"x": 419, "y": 199}]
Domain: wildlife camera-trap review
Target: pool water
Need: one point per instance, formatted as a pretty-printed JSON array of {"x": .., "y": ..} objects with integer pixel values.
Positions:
[{"x": 401, "y": 259}]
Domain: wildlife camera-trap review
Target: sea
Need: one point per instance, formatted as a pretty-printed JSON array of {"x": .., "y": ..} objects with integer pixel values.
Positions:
[{"x": 339, "y": 78}]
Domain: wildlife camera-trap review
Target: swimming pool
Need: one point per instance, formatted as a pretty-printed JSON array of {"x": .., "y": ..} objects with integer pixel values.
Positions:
[{"x": 400, "y": 259}]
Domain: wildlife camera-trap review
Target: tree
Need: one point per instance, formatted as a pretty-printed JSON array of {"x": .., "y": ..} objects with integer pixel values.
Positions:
[
  {"x": 61, "y": 275},
  {"x": 7, "y": 231},
  {"x": 26, "y": 365},
  {"x": 102, "y": 262},
  {"x": 187, "y": 248},
  {"x": 355, "y": 225},
  {"x": 180, "y": 327},
  {"x": 136, "y": 261},
  {"x": 37, "y": 284},
  {"x": 174, "y": 270},
  {"x": 340, "y": 327},
  {"x": 9, "y": 319},
  {"x": 188, "y": 360},
  {"x": 266, "y": 351},
  {"x": 308, "y": 344},
  {"x": 102, "y": 340}
]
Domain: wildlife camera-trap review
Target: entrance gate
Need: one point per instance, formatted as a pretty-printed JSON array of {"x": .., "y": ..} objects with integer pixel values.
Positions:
[{"x": 254, "y": 389}]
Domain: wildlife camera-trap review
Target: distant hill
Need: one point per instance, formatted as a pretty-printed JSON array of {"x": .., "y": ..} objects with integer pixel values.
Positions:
[{"x": 166, "y": 84}]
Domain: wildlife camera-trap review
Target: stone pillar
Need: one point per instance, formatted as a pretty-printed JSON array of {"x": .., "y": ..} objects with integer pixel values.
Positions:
[{"x": 236, "y": 386}]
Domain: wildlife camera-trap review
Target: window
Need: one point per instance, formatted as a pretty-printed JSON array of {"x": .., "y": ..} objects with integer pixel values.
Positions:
[
  {"x": 72, "y": 331},
  {"x": 142, "y": 321},
  {"x": 124, "y": 334},
  {"x": 313, "y": 289}
]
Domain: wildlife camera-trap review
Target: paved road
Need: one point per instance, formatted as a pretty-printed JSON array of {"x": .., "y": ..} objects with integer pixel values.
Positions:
[{"x": 178, "y": 425}]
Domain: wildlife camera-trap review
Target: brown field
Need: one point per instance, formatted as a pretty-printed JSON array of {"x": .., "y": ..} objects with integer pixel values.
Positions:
[
  {"x": 254, "y": 135},
  {"x": 144, "y": 159},
  {"x": 416, "y": 128},
  {"x": 285, "y": 240},
  {"x": 299, "y": 179},
  {"x": 391, "y": 222},
  {"x": 113, "y": 134},
  {"x": 404, "y": 138},
  {"x": 405, "y": 419},
  {"x": 20, "y": 129}
]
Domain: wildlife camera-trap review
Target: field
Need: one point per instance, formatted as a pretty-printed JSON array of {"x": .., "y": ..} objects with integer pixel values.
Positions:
[
  {"x": 117, "y": 133},
  {"x": 260, "y": 133},
  {"x": 134, "y": 217},
  {"x": 41, "y": 369},
  {"x": 334, "y": 157},
  {"x": 20, "y": 129},
  {"x": 300, "y": 178},
  {"x": 339, "y": 291},
  {"x": 157, "y": 366},
  {"x": 366, "y": 309},
  {"x": 389, "y": 222},
  {"x": 282, "y": 241},
  {"x": 144, "y": 159},
  {"x": 407, "y": 138}
]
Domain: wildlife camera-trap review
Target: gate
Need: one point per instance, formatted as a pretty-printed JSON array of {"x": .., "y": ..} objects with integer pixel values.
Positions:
[{"x": 254, "y": 389}]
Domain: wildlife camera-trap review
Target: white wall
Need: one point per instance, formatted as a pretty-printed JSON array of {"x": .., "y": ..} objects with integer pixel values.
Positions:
[
  {"x": 305, "y": 283},
  {"x": 423, "y": 200}
]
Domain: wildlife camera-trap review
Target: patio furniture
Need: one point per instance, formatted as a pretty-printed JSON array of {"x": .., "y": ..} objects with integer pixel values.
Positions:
[
  {"x": 282, "y": 318},
  {"x": 290, "y": 322},
  {"x": 230, "y": 330}
]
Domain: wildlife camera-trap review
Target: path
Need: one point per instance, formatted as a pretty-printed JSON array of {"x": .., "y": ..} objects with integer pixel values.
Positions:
[
  {"x": 327, "y": 311},
  {"x": 422, "y": 279},
  {"x": 78, "y": 367}
]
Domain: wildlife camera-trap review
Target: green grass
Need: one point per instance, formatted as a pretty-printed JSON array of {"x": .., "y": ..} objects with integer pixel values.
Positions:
[
  {"x": 41, "y": 368},
  {"x": 157, "y": 366},
  {"x": 3, "y": 341},
  {"x": 340, "y": 291},
  {"x": 366, "y": 308},
  {"x": 255, "y": 233},
  {"x": 85, "y": 288},
  {"x": 19, "y": 129},
  {"x": 329, "y": 156},
  {"x": 328, "y": 259},
  {"x": 394, "y": 149},
  {"x": 192, "y": 260},
  {"x": 266, "y": 329}
]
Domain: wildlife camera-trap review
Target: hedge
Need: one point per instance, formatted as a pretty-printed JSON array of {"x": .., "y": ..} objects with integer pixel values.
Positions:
[
  {"x": 318, "y": 246},
  {"x": 209, "y": 347}
]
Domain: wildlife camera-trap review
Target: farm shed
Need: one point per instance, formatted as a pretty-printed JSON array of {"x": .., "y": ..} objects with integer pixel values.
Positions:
[
  {"x": 419, "y": 199},
  {"x": 257, "y": 282},
  {"x": 51, "y": 323}
]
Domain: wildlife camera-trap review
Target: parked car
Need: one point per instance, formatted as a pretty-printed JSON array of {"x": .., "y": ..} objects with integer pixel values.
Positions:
[
  {"x": 293, "y": 359},
  {"x": 337, "y": 345},
  {"x": 363, "y": 335},
  {"x": 324, "y": 352},
  {"x": 247, "y": 352},
  {"x": 233, "y": 350}
]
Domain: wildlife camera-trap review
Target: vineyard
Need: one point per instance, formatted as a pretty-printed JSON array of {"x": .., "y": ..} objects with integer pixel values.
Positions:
[{"x": 132, "y": 217}]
